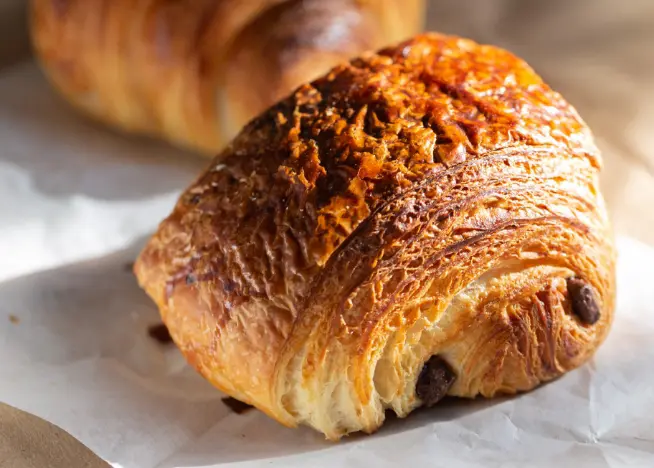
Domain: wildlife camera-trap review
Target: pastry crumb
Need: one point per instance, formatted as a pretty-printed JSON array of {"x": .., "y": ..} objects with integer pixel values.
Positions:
[{"x": 13, "y": 319}]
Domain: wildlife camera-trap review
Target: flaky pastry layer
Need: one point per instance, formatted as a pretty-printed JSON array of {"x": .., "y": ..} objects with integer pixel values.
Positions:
[{"x": 422, "y": 221}]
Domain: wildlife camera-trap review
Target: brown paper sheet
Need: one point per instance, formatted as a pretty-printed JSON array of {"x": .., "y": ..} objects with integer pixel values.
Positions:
[{"x": 30, "y": 442}]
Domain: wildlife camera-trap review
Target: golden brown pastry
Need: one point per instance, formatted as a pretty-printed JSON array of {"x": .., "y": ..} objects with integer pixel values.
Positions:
[
  {"x": 420, "y": 222},
  {"x": 195, "y": 71}
]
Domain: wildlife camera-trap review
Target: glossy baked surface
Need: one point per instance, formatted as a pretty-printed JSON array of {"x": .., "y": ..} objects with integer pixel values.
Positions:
[{"x": 433, "y": 199}]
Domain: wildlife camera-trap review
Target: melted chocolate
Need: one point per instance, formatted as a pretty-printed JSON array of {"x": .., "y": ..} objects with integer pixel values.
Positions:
[
  {"x": 434, "y": 381},
  {"x": 583, "y": 301}
]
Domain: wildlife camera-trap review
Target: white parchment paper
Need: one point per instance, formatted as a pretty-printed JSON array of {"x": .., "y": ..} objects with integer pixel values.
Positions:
[{"x": 75, "y": 204}]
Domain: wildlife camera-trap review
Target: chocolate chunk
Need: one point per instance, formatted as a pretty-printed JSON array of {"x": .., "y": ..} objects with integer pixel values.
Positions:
[
  {"x": 236, "y": 406},
  {"x": 583, "y": 300},
  {"x": 160, "y": 333},
  {"x": 434, "y": 381}
]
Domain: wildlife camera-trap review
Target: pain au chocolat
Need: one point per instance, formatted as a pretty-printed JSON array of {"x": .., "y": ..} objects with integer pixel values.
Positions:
[{"x": 422, "y": 221}]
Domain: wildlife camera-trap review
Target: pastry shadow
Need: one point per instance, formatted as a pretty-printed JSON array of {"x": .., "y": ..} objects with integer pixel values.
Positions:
[
  {"x": 448, "y": 409},
  {"x": 253, "y": 436}
]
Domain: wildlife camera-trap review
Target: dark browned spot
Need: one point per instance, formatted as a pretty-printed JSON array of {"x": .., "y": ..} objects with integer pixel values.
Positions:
[
  {"x": 236, "y": 406},
  {"x": 13, "y": 319},
  {"x": 583, "y": 300},
  {"x": 434, "y": 381},
  {"x": 160, "y": 333}
]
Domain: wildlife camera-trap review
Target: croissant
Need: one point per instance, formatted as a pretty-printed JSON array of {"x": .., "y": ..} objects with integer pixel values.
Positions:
[
  {"x": 420, "y": 222},
  {"x": 195, "y": 71}
]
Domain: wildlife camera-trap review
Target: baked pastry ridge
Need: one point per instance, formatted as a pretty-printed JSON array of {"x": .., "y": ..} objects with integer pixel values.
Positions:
[{"x": 421, "y": 221}]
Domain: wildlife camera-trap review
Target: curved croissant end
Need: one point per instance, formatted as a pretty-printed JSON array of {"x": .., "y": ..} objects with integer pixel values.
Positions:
[
  {"x": 195, "y": 71},
  {"x": 419, "y": 222}
]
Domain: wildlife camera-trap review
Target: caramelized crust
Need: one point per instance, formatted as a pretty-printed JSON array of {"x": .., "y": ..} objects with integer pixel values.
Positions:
[{"x": 433, "y": 198}]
